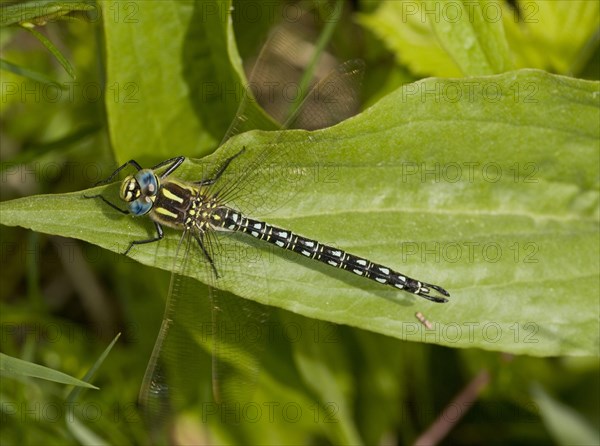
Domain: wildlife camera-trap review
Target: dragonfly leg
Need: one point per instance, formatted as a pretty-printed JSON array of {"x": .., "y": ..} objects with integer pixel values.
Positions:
[
  {"x": 133, "y": 163},
  {"x": 159, "y": 236},
  {"x": 174, "y": 164},
  {"x": 222, "y": 169},
  {"x": 206, "y": 254}
]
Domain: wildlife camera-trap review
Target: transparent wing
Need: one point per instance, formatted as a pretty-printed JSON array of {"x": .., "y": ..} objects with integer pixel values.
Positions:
[
  {"x": 238, "y": 334},
  {"x": 208, "y": 335},
  {"x": 332, "y": 100},
  {"x": 258, "y": 184},
  {"x": 238, "y": 347},
  {"x": 264, "y": 180},
  {"x": 210, "y": 343},
  {"x": 159, "y": 395},
  {"x": 276, "y": 85}
]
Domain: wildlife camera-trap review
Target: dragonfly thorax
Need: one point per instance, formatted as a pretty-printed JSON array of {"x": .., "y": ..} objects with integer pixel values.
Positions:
[{"x": 179, "y": 204}]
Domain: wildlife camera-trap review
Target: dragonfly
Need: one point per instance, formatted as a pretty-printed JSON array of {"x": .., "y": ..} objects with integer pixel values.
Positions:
[
  {"x": 196, "y": 208},
  {"x": 218, "y": 206}
]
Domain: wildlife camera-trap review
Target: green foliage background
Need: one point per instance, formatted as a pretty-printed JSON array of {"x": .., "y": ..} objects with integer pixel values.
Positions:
[{"x": 509, "y": 99}]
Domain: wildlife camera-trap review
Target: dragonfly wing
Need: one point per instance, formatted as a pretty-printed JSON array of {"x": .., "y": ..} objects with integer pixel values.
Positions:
[
  {"x": 275, "y": 88},
  {"x": 208, "y": 335},
  {"x": 239, "y": 344},
  {"x": 210, "y": 343},
  {"x": 168, "y": 387},
  {"x": 238, "y": 335},
  {"x": 271, "y": 176},
  {"x": 332, "y": 100}
]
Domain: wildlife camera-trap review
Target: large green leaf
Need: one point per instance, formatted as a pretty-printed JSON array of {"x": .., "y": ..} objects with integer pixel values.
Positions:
[
  {"x": 472, "y": 39},
  {"x": 559, "y": 36},
  {"x": 167, "y": 76},
  {"x": 444, "y": 39},
  {"x": 487, "y": 186},
  {"x": 414, "y": 44},
  {"x": 486, "y": 37},
  {"x": 174, "y": 78}
]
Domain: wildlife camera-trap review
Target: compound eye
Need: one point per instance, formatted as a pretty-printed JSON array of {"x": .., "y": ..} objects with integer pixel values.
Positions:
[
  {"x": 130, "y": 189},
  {"x": 140, "y": 206},
  {"x": 147, "y": 181}
]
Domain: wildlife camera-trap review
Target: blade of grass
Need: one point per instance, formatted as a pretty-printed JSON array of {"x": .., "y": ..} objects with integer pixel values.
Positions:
[
  {"x": 15, "y": 367},
  {"x": 50, "y": 46},
  {"x": 30, "y": 74}
]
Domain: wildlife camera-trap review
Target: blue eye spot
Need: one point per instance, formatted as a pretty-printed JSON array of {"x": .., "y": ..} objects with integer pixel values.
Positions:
[
  {"x": 147, "y": 181},
  {"x": 140, "y": 206}
]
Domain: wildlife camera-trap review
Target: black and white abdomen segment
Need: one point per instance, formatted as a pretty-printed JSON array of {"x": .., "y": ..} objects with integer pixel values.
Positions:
[{"x": 285, "y": 239}]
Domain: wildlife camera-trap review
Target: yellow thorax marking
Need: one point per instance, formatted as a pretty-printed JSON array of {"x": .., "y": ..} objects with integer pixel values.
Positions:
[
  {"x": 171, "y": 196},
  {"x": 163, "y": 211}
]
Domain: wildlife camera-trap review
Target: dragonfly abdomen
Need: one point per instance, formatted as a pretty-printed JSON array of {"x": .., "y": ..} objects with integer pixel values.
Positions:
[{"x": 338, "y": 258}]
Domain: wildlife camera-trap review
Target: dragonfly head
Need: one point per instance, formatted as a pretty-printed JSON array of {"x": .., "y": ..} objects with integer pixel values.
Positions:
[{"x": 139, "y": 191}]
